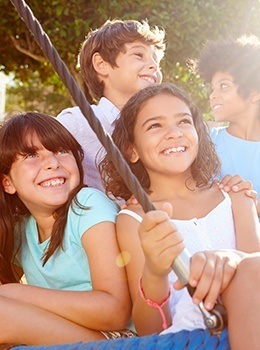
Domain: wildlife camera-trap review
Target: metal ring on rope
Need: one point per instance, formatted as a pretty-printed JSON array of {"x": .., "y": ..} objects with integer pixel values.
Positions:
[{"x": 215, "y": 321}]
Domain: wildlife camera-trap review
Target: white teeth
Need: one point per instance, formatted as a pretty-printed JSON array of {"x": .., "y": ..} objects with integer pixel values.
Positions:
[
  {"x": 216, "y": 107},
  {"x": 174, "y": 150},
  {"x": 53, "y": 183},
  {"x": 149, "y": 79}
]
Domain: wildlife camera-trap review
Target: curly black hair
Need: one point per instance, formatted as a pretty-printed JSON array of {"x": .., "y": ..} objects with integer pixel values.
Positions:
[{"x": 239, "y": 57}]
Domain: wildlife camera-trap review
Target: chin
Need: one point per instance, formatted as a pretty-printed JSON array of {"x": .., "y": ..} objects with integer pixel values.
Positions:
[{"x": 218, "y": 119}]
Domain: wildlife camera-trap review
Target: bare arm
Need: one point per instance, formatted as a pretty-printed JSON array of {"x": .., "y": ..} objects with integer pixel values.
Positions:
[
  {"x": 155, "y": 282},
  {"x": 236, "y": 183},
  {"x": 246, "y": 222},
  {"x": 94, "y": 309}
]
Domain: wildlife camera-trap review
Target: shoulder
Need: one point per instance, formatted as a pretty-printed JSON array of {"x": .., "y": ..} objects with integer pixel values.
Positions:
[
  {"x": 218, "y": 132},
  {"x": 133, "y": 208},
  {"x": 130, "y": 217},
  {"x": 106, "y": 111},
  {"x": 127, "y": 224},
  {"x": 88, "y": 196},
  {"x": 90, "y": 207},
  {"x": 68, "y": 112},
  {"x": 242, "y": 205},
  {"x": 132, "y": 211},
  {"x": 73, "y": 117}
]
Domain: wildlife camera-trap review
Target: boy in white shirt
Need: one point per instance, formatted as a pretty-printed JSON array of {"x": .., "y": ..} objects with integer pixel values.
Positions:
[{"x": 116, "y": 60}]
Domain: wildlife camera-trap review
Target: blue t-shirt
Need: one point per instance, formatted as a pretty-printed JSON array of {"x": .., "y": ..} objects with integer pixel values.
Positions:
[
  {"x": 238, "y": 156},
  {"x": 67, "y": 268}
]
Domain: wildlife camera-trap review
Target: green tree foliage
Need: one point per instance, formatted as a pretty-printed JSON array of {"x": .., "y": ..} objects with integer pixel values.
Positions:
[{"x": 188, "y": 24}]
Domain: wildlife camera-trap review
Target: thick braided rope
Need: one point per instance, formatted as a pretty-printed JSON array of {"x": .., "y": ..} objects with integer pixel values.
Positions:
[{"x": 59, "y": 66}]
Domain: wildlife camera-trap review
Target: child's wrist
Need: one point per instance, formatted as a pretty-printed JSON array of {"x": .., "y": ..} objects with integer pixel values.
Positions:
[
  {"x": 155, "y": 304},
  {"x": 151, "y": 277},
  {"x": 156, "y": 286}
]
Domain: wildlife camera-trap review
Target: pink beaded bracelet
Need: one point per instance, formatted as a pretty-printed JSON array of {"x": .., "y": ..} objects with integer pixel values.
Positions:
[{"x": 154, "y": 304}]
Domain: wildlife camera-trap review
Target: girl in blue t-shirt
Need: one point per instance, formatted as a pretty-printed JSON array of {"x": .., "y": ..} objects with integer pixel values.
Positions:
[{"x": 61, "y": 235}]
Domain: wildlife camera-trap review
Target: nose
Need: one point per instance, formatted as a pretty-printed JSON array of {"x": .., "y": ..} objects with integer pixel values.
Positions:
[
  {"x": 152, "y": 63},
  {"x": 50, "y": 161},
  {"x": 213, "y": 94},
  {"x": 154, "y": 66},
  {"x": 173, "y": 132}
]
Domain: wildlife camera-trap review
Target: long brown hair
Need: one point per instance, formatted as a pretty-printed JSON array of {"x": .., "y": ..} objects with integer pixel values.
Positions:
[
  {"x": 13, "y": 141},
  {"x": 204, "y": 167}
]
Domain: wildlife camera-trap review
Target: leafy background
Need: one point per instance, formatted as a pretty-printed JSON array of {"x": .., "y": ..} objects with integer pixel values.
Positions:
[{"x": 32, "y": 83}]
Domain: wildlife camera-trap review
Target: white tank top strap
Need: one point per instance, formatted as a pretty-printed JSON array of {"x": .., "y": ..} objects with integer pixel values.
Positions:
[
  {"x": 131, "y": 213},
  {"x": 226, "y": 195}
]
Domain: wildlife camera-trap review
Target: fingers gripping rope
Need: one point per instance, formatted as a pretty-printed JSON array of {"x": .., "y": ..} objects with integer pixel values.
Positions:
[{"x": 181, "y": 263}]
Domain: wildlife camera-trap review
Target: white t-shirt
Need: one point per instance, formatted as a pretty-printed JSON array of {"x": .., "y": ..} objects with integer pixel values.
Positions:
[{"x": 77, "y": 124}]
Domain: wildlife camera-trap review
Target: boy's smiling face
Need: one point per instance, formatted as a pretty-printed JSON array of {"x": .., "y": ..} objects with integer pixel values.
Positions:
[
  {"x": 226, "y": 103},
  {"x": 137, "y": 67}
]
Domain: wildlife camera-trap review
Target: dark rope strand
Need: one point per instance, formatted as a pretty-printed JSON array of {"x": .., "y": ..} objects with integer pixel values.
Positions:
[{"x": 59, "y": 66}]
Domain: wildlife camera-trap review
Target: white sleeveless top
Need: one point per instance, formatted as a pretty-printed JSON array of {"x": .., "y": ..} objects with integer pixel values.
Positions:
[{"x": 212, "y": 232}]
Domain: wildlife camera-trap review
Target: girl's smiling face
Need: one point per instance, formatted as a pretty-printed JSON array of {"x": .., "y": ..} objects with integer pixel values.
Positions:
[
  {"x": 165, "y": 138},
  {"x": 41, "y": 178}
]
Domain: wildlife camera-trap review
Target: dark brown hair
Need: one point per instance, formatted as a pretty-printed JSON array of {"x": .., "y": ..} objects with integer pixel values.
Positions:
[
  {"x": 109, "y": 40},
  {"x": 13, "y": 141}
]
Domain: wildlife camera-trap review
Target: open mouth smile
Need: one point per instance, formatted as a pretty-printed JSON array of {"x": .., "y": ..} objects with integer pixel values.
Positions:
[
  {"x": 53, "y": 182},
  {"x": 179, "y": 149},
  {"x": 150, "y": 79},
  {"x": 214, "y": 108}
]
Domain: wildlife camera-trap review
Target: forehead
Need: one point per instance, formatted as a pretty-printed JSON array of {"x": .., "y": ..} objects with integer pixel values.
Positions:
[
  {"x": 139, "y": 45},
  {"x": 220, "y": 76},
  {"x": 164, "y": 104},
  {"x": 32, "y": 139}
]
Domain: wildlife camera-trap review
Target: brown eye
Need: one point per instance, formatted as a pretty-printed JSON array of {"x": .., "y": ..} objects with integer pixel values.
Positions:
[
  {"x": 62, "y": 151},
  {"x": 154, "y": 126},
  {"x": 30, "y": 155},
  {"x": 223, "y": 86}
]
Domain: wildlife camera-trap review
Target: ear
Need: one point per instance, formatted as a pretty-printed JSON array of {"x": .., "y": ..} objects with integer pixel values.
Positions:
[
  {"x": 8, "y": 184},
  {"x": 255, "y": 96},
  {"x": 99, "y": 64},
  {"x": 132, "y": 154}
]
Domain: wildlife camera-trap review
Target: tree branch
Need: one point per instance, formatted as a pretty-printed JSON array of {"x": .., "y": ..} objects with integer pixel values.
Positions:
[{"x": 26, "y": 52}]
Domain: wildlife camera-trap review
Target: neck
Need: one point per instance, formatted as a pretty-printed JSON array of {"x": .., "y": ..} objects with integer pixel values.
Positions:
[
  {"x": 166, "y": 189},
  {"x": 45, "y": 225},
  {"x": 247, "y": 130},
  {"x": 118, "y": 100},
  {"x": 247, "y": 125}
]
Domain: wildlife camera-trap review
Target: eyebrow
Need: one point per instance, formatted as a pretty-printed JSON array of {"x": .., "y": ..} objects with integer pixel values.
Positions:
[
  {"x": 137, "y": 47},
  {"x": 224, "y": 79},
  {"x": 159, "y": 117}
]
